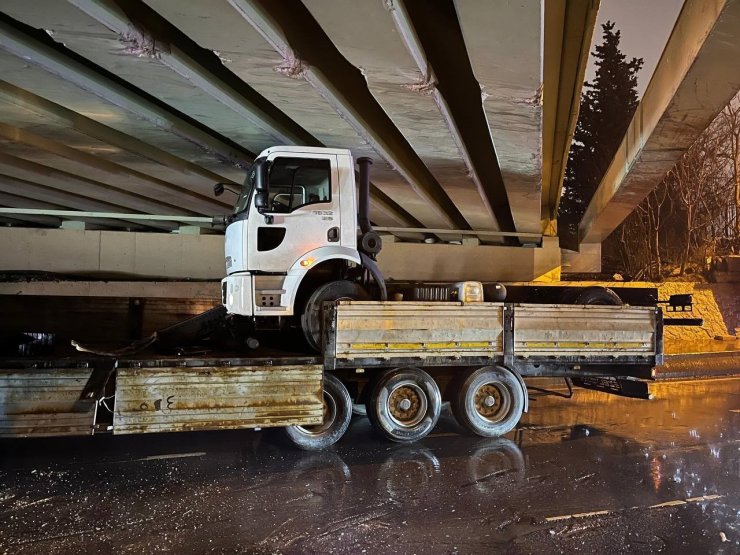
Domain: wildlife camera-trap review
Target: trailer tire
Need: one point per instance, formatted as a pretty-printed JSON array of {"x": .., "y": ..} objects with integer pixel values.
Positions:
[
  {"x": 332, "y": 291},
  {"x": 489, "y": 401},
  {"x": 598, "y": 295},
  {"x": 404, "y": 405},
  {"x": 337, "y": 414}
]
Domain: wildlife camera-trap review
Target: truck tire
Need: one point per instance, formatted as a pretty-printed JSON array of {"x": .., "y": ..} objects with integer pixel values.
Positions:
[
  {"x": 489, "y": 401},
  {"x": 599, "y": 296},
  {"x": 337, "y": 414},
  {"x": 405, "y": 404},
  {"x": 332, "y": 291}
]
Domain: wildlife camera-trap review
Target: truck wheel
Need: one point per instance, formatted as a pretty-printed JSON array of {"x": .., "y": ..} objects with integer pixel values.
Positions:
[
  {"x": 332, "y": 291},
  {"x": 405, "y": 404},
  {"x": 598, "y": 295},
  {"x": 489, "y": 401},
  {"x": 337, "y": 414}
]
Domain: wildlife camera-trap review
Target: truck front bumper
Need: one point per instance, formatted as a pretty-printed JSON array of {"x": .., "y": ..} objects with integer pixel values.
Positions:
[{"x": 236, "y": 294}]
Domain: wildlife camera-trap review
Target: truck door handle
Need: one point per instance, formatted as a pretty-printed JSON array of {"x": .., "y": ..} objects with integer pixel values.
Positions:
[{"x": 333, "y": 235}]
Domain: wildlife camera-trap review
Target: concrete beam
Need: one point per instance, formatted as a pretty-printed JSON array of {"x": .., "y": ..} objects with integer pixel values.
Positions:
[
  {"x": 293, "y": 32},
  {"x": 143, "y": 26},
  {"x": 175, "y": 256},
  {"x": 192, "y": 221},
  {"x": 457, "y": 92},
  {"x": 41, "y": 212},
  {"x": 68, "y": 119},
  {"x": 206, "y": 290},
  {"x": 34, "y": 221},
  {"x": 504, "y": 44},
  {"x": 123, "y": 177},
  {"x": 20, "y": 168},
  {"x": 696, "y": 77},
  {"x": 112, "y": 254},
  {"x": 365, "y": 34},
  {"x": 251, "y": 58},
  {"x": 35, "y": 47},
  {"x": 443, "y": 262},
  {"x": 586, "y": 261},
  {"x": 26, "y": 191},
  {"x": 140, "y": 24},
  {"x": 568, "y": 30}
]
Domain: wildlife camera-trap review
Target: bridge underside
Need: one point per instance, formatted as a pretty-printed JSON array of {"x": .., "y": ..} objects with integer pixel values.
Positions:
[
  {"x": 696, "y": 77},
  {"x": 140, "y": 106},
  {"x": 468, "y": 108}
]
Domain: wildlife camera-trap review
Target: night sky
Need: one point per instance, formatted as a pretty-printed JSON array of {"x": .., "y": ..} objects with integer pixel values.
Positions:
[{"x": 645, "y": 25}]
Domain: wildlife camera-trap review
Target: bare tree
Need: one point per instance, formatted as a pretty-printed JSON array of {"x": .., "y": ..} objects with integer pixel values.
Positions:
[
  {"x": 694, "y": 213},
  {"x": 730, "y": 121}
]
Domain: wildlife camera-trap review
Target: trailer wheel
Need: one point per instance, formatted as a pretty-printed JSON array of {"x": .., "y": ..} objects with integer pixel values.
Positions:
[
  {"x": 489, "y": 401},
  {"x": 405, "y": 404},
  {"x": 337, "y": 414},
  {"x": 598, "y": 295},
  {"x": 332, "y": 291}
]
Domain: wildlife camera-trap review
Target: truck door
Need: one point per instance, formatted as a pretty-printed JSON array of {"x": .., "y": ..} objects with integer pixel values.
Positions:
[{"x": 303, "y": 211}]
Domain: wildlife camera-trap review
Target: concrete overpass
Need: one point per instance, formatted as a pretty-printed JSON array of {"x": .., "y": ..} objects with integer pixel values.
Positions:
[
  {"x": 468, "y": 108},
  {"x": 140, "y": 106},
  {"x": 696, "y": 77}
]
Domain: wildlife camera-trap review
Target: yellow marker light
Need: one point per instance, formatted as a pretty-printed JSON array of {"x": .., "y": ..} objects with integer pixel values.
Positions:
[
  {"x": 306, "y": 262},
  {"x": 470, "y": 291}
]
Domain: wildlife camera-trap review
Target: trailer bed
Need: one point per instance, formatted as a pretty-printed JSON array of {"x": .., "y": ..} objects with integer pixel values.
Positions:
[{"x": 83, "y": 395}]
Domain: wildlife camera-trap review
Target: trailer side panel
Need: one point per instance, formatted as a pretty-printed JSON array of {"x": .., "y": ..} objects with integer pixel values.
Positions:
[
  {"x": 211, "y": 398},
  {"x": 45, "y": 402}
]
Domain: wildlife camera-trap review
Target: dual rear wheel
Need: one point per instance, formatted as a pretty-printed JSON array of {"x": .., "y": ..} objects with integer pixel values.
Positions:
[
  {"x": 489, "y": 401},
  {"x": 405, "y": 403}
]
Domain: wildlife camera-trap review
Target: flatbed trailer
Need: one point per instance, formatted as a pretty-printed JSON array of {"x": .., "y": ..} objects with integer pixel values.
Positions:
[{"x": 401, "y": 360}]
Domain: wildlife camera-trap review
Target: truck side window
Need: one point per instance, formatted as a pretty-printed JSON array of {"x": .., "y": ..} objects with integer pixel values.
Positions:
[{"x": 296, "y": 182}]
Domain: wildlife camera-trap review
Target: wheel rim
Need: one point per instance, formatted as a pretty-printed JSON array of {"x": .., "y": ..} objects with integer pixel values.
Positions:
[
  {"x": 407, "y": 404},
  {"x": 330, "y": 415},
  {"x": 492, "y": 401}
]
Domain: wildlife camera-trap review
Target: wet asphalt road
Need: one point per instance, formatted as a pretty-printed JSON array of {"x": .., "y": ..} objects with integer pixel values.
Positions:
[{"x": 661, "y": 475}]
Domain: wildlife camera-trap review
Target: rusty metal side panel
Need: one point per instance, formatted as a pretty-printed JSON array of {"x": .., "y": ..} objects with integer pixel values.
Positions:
[
  {"x": 589, "y": 331},
  {"x": 45, "y": 402},
  {"x": 212, "y": 398},
  {"x": 405, "y": 329}
]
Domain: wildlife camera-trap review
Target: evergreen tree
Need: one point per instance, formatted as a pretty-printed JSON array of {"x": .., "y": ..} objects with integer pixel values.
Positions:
[{"x": 607, "y": 105}]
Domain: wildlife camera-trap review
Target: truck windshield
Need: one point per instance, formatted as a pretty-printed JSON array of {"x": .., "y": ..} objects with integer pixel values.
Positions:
[{"x": 242, "y": 203}]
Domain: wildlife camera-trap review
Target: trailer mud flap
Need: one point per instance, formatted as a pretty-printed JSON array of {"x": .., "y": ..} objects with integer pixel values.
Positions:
[
  {"x": 213, "y": 398},
  {"x": 616, "y": 386}
]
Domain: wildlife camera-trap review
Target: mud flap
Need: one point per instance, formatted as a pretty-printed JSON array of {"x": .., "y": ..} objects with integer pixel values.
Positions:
[
  {"x": 634, "y": 389},
  {"x": 371, "y": 265}
]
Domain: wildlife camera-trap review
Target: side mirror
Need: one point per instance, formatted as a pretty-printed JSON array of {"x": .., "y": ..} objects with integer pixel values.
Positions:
[
  {"x": 218, "y": 189},
  {"x": 260, "y": 176},
  {"x": 261, "y": 198}
]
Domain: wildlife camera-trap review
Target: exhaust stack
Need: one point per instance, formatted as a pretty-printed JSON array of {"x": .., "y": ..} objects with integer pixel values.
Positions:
[{"x": 364, "y": 201}]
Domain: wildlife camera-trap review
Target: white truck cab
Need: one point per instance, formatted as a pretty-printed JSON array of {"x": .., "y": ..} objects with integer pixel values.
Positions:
[{"x": 294, "y": 230}]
